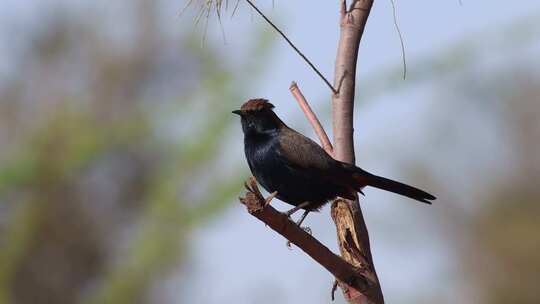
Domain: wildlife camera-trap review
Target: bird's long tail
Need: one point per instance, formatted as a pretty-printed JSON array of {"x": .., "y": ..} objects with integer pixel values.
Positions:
[{"x": 364, "y": 178}]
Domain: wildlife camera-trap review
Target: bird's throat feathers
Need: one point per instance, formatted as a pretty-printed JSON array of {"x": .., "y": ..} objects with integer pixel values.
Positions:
[{"x": 261, "y": 124}]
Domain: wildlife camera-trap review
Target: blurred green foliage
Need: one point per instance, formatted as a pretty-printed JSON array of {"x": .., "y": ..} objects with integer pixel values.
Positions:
[{"x": 98, "y": 188}]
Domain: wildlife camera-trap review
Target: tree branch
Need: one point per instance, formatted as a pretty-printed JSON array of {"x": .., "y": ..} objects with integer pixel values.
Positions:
[
  {"x": 355, "y": 271},
  {"x": 312, "y": 118},
  {"x": 351, "y": 228},
  {"x": 293, "y": 46},
  {"x": 260, "y": 208}
]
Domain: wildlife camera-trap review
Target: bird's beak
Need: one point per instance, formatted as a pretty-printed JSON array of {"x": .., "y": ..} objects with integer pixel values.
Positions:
[{"x": 237, "y": 112}]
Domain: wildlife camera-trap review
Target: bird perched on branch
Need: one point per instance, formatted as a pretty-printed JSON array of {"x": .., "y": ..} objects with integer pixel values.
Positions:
[{"x": 298, "y": 169}]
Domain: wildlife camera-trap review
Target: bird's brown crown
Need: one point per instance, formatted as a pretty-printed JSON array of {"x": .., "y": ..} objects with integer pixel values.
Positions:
[{"x": 258, "y": 104}]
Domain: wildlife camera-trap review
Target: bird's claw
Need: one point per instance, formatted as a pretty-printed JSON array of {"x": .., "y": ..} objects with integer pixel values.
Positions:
[
  {"x": 270, "y": 198},
  {"x": 251, "y": 187},
  {"x": 307, "y": 229},
  {"x": 289, "y": 245}
]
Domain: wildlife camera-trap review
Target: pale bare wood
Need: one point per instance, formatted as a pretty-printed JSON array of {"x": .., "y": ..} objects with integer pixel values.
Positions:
[{"x": 312, "y": 118}]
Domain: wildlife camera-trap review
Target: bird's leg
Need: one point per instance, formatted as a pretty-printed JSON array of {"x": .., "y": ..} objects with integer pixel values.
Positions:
[
  {"x": 302, "y": 218},
  {"x": 270, "y": 198},
  {"x": 293, "y": 210},
  {"x": 298, "y": 223}
]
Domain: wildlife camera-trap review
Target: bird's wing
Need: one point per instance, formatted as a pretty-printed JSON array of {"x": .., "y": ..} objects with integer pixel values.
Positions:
[
  {"x": 302, "y": 152},
  {"x": 304, "y": 155}
]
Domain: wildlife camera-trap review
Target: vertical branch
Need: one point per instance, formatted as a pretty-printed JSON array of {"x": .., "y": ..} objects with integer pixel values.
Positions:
[
  {"x": 352, "y": 27},
  {"x": 351, "y": 229}
]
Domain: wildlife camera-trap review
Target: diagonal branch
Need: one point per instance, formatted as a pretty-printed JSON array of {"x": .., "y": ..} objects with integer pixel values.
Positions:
[
  {"x": 293, "y": 46},
  {"x": 344, "y": 272},
  {"x": 312, "y": 118}
]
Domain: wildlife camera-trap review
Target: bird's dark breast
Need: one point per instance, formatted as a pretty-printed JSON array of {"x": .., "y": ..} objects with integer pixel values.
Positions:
[{"x": 274, "y": 173}]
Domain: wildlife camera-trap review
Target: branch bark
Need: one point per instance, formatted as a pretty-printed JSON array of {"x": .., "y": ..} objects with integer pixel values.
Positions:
[
  {"x": 351, "y": 228},
  {"x": 259, "y": 207},
  {"x": 312, "y": 118}
]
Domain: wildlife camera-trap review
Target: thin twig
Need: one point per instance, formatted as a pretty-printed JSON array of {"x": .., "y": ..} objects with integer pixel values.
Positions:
[
  {"x": 188, "y": 4},
  {"x": 207, "y": 17},
  {"x": 218, "y": 13},
  {"x": 199, "y": 15},
  {"x": 341, "y": 80},
  {"x": 235, "y": 8},
  {"x": 312, "y": 118},
  {"x": 396, "y": 25},
  {"x": 334, "y": 288},
  {"x": 293, "y": 46}
]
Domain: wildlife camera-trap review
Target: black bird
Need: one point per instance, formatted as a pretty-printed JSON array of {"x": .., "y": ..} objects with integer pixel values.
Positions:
[{"x": 301, "y": 172}]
